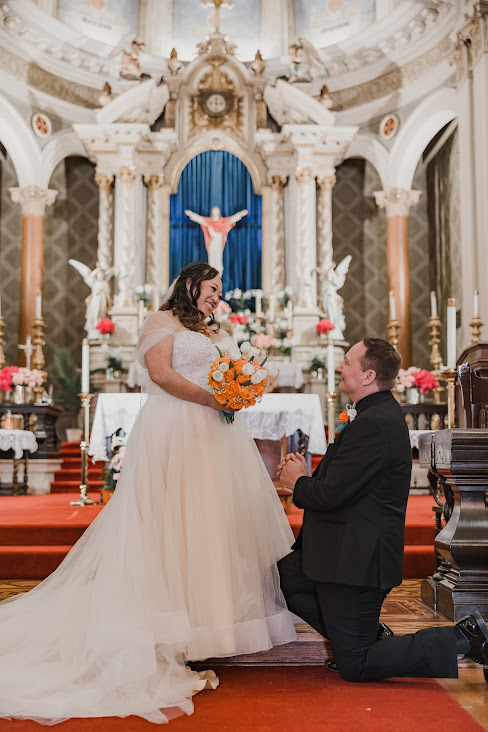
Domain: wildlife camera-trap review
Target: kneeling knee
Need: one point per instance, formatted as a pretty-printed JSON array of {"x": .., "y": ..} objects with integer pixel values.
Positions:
[{"x": 349, "y": 671}]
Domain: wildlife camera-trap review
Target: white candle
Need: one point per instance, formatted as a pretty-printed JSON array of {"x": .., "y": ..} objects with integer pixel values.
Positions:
[
  {"x": 85, "y": 366},
  {"x": 38, "y": 305},
  {"x": 392, "y": 305},
  {"x": 271, "y": 308},
  {"x": 451, "y": 333},
  {"x": 141, "y": 312},
  {"x": 259, "y": 310},
  {"x": 433, "y": 304},
  {"x": 476, "y": 304},
  {"x": 330, "y": 366}
]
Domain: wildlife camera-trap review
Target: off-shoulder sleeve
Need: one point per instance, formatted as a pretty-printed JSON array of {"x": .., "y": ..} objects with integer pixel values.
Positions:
[{"x": 156, "y": 328}]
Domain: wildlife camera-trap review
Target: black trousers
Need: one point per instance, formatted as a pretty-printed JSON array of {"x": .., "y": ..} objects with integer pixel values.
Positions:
[{"x": 349, "y": 615}]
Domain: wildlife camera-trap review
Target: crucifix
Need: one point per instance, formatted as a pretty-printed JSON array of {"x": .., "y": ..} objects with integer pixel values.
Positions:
[
  {"x": 28, "y": 349},
  {"x": 217, "y": 20}
]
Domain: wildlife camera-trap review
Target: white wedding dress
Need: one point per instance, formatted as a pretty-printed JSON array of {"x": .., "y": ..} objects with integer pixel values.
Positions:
[{"x": 180, "y": 565}]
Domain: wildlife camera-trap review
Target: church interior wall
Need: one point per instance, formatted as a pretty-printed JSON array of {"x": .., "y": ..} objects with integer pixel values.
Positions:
[
  {"x": 418, "y": 246},
  {"x": 10, "y": 251}
]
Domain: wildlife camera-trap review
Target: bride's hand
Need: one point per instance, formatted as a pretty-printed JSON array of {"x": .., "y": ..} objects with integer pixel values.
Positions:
[{"x": 214, "y": 404}]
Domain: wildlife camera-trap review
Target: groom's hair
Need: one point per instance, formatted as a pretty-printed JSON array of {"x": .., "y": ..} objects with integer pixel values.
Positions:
[{"x": 382, "y": 358}]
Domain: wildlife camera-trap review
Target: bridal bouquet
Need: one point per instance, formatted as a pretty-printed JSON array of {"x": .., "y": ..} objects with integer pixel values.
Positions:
[{"x": 237, "y": 378}]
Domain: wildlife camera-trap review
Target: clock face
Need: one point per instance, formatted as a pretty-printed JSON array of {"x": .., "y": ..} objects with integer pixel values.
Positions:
[{"x": 215, "y": 104}]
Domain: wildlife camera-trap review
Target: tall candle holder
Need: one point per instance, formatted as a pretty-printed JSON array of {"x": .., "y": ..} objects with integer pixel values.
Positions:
[
  {"x": 476, "y": 326},
  {"x": 434, "y": 325},
  {"x": 83, "y": 499},
  {"x": 2, "y": 343},
  {"x": 38, "y": 359},
  {"x": 450, "y": 376},
  {"x": 331, "y": 400},
  {"x": 393, "y": 328}
]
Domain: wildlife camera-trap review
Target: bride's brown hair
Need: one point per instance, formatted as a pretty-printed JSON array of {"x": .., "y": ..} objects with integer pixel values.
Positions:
[{"x": 183, "y": 301}]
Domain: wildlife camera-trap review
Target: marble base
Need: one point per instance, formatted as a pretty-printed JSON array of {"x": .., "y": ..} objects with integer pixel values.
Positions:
[{"x": 41, "y": 473}]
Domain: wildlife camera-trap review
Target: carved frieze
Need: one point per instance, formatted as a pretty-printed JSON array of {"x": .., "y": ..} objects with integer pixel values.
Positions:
[{"x": 216, "y": 105}]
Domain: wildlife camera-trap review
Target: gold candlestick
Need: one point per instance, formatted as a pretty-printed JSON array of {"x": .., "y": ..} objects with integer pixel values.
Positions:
[
  {"x": 393, "y": 328},
  {"x": 434, "y": 325},
  {"x": 450, "y": 376},
  {"x": 38, "y": 359},
  {"x": 476, "y": 326},
  {"x": 2, "y": 343},
  {"x": 331, "y": 400},
  {"x": 83, "y": 500}
]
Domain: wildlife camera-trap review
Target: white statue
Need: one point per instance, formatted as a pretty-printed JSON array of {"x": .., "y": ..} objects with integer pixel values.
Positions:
[
  {"x": 28, "y": 349},
  {"x": 131, "y": 49},
  {"x": 305, "y": 60},
  {"x": 98, "y": 301},
  {"x": 215, "y": 229},
  {"x": 333, "y": 303}
]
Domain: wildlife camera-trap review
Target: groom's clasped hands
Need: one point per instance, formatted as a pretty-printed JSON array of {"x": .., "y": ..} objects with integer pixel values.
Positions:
[{"x": 292, "y": 467}]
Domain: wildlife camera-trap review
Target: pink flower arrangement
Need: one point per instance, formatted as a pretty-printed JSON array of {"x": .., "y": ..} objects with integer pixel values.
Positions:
[
  {"x": 426, "y": 381},
  {"x": 263, "y": 341},
  {"x": 6, "y": 377},
  {"x": 406, "y": 379},
  {"x": 105, "y": 326},
  {"x": 323, "y": 327},
  {"x": 27, "y": 377},
  {"x": 236, "y": 318}
]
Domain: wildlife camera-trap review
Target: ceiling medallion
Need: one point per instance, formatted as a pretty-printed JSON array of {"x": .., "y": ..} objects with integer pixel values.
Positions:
[{"x": 389, "y": 126}]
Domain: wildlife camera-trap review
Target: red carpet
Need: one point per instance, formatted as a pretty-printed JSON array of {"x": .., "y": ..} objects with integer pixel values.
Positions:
[
  {"x": 36, "y": 532},
  {"x": 296, "y": 698}
]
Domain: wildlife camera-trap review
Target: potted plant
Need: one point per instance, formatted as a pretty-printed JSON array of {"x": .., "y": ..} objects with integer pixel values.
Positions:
[{"x": 69, "y": 387}]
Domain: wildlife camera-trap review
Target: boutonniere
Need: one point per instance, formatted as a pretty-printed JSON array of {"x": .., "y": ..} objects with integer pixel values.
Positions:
[{"x": 349, "y": 414}]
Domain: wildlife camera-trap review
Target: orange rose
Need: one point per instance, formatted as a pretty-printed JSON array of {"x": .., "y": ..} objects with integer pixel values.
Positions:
[
  {"x": 241, "y": 379},
  {"x": 260, "y": 388},
  {"x": 246, "y": 393},
  {"x": 232, "y": 389},
  {"x": 344, "y": 417},
  {"x": 234, "y": 403},
  {"x": 239, "y": 364},
  {"x": 221, "y": 398},
  {"x": 229, "y": 375}
]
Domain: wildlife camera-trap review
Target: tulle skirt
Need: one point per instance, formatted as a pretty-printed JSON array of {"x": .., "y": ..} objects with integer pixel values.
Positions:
[{"x": 180, "y": 565}]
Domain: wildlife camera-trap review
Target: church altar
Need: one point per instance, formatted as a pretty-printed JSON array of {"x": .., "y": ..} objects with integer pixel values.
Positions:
[
  {"x": 21, "y": 443},
  {"x": 275, "y": 417}
]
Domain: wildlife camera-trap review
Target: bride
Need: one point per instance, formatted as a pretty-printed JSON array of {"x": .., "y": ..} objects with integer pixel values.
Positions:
[{"x": 179, "y": 566}]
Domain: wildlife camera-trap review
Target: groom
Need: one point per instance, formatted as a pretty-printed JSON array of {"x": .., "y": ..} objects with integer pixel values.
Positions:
[{"x": 349, "y": 553}]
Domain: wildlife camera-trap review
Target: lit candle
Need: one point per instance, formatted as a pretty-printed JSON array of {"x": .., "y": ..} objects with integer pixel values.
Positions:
[
  {"x": 38, "y": 305},
  {"x": 141, "y": 312},
  {"x": 476, "y": 304},
  {"x": 330, "y": 366},
  {"x": 433, "y": 305},
  {"x": 392, "y": 305},
  {"x": 85, "y": 366},
  {"x": 451, "y": 333},
  {"x": 259, "y": 310},
  {"x": 271, "y": 308}
]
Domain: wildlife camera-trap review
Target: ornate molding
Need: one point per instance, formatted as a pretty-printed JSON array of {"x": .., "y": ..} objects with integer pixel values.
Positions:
[
  {"x": 104, "y": 181},
  {"x": 278, "y": 182},
  {"x": 154, "y": 182},
  {"x": 326, "y": 183},
  {"x": 126, "y": 175},
  {"x": 33, "y": 199},
  {"x": 303, "y": 176},
  {"x": 397, "y": 201}
]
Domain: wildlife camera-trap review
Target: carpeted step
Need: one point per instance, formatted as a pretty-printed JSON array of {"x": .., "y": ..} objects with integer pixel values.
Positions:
[
  {"x": 42, "y": 534},
  {"x": 75, "y": 474},
  {"x": 73, "y": 486},
  {"x": 30, "y": 562},
  {"x": 418, "y": 561}
]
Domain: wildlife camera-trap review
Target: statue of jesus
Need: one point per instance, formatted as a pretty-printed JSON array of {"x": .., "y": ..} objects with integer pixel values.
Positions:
[{"x": 215, "y": 229}]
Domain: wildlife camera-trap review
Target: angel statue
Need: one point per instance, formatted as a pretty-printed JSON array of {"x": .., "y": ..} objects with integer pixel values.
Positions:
[
  {"x": 215, "y": 229},
  {"x": 305, "y": 61},
  {"x": 332, "y": 302},
  {"x": 98, "y": 301},
  {"x": 131, "y": 48}
]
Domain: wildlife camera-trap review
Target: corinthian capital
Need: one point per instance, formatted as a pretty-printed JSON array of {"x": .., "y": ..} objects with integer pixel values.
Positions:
[
  {"x": 33, "y": 199},
  {"x": 397, "y": 201},
  {"x": 127, "y": 175},
  {"x": 326, "y": 183},
  {"x": 104, "y": 181},
  {"x": 278, "y": 182},
  {"x": 154, "y": 181},
  {"x": 303, "y": 176}
]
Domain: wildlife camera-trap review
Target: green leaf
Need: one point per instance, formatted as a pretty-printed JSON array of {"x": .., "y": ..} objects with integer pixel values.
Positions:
[
  {"x": 251, "y": 359},
  {"x": 248, "y": 382},
  {"x": 235, "y": 375},
  {"x": 263, "y": 362},
  {"x": 220, "y": 352},
  {"x": 231, "y": 364}
]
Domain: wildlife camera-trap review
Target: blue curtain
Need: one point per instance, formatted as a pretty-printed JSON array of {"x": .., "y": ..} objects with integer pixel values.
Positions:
[{"x": 217, "y": 178}]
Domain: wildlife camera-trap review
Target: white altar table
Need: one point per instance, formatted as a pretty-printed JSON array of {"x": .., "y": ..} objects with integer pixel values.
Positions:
[
  {"x": 22, "y": 442},
  {"x": 276, "y": 416}
]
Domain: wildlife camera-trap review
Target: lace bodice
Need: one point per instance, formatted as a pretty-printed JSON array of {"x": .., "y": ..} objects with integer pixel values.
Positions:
[{"x": 193, "y": 354}]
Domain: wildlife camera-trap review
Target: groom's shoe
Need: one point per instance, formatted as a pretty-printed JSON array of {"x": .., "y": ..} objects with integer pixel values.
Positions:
[
  {"x": 475, "y": 632},
  {"x": 383, "y": 632}
]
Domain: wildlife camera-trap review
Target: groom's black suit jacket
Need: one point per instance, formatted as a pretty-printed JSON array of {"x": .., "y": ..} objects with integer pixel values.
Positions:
[{"x": 355, "y": 502}]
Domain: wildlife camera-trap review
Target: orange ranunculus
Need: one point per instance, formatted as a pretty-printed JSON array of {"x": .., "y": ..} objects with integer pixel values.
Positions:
[
  {"x": 221, "y": 398},
  {"x": 232, "y": 389},
  {"x": 229, "y": 375},
  {"x": 344, "y": 417},
  {"x": 247, "y": 393}
]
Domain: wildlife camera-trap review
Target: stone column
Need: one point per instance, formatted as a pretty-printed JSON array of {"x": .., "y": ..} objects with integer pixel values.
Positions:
[
  {"x": 125, "y": 236},
  {"x": 277, "y": 239},
  {"x": 33, "y": 201},
  {"x": 105, "y": 219},
  {"x": 305, "y": 240},
  {"x": 397, "y": 203},
  {"x": 154, "y": 233},
  {"x": 324, "y": 225}
]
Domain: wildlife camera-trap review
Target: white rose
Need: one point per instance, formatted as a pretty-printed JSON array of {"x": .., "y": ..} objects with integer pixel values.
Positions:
[
  {"x": 262, "y": 373},
  {"x": 224, "y": 366},
  {"x": 245, "y": 347},
  {"x": 237, "y": 293},
  {"x": 248, "y": 369},
  {"x": 253, "y": 351},
  {"x": 217, "y": 375},
  {"x": 234, "y": 353},
  {"x": 258, "y": 377},
  {"x": 272, "y": 372}
]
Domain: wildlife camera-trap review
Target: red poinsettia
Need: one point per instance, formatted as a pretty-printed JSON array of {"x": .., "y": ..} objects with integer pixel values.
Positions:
[
  {"x": 425, "y": 381},
  {"x": 105, "y": 326},
  {"x": 323, "y": 326},
  {"x": 236, "y": 318}
]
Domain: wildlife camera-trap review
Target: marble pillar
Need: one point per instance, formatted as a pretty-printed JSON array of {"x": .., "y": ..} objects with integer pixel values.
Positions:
[
  {"x": 324, "y": 225},
  {"x": 154, "y": 185},
  {"x": 277, "y": 234},
  {"x": 124, "y": 254},
  {"x": 305, "y": 240},
  {"x": 105, "y": 219}
]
